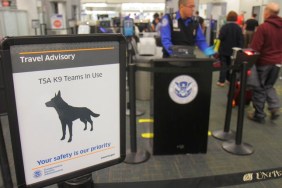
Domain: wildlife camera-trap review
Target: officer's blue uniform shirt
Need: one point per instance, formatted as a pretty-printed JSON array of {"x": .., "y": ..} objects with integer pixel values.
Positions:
[{"x": 200, "y": 40}]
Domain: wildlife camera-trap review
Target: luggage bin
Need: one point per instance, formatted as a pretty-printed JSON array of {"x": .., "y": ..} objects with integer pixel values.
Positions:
[{"x": 181, "y": 105}]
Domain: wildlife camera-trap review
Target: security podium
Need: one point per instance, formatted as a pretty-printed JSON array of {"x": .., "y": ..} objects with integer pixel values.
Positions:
[{"x": 181, "y": 105}]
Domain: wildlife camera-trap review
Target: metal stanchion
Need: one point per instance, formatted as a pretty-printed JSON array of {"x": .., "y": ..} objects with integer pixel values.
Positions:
[
  {"x": 236, "y": 146},
  {"x": 226, "y": 133},
  {"x": 134, "y": 156},
  {"x": 3, "y": 105},
  {"x": 43, "y": 29},
  {"x": 129, "y": 61},
  {"x": 79, "y": 182},
  {"x": 4, "y": 163}
]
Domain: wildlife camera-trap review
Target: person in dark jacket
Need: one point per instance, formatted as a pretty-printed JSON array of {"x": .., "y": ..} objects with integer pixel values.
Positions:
[
  {"x": 250, "y": 28},
  {"x": 267, "y": 41},
  {"x": 200, "y": 20},
  {"x": 156, "y": 20},
  {"x": 230, "y": 36}
]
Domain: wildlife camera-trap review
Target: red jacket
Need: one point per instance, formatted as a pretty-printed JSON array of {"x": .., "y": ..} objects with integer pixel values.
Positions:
[{"x": 268, "y": 41}]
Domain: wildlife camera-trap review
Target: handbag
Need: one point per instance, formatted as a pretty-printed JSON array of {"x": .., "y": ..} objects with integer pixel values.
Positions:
[
  {"x": 253, "y": 78},
  {"x": 272, "y": 76}
]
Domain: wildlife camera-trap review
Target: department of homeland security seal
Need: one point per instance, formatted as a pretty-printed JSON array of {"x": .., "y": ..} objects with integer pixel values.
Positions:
[
  {"x": 37, "y": 174},
  {"x": 183, "y": 89}
]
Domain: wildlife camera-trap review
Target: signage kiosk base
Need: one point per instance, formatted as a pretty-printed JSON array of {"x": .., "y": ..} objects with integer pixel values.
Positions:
[
  {"x": 80, "y": 182},
  {"x": 137, "y": 157}
]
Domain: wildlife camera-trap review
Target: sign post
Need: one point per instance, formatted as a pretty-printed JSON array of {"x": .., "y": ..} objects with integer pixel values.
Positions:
[
  {"x": 35, "y": 24},
  {"x": 66, "y": 105}
]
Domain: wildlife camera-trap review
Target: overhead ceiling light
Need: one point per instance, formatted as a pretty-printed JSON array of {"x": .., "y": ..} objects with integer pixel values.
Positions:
[
  {"x": 143, "y": 6},
  {"x": 95, "y": 5}
]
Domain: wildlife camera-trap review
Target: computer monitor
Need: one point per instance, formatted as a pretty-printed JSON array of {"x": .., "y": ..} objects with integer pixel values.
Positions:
[{"x": 183, "y": 51}]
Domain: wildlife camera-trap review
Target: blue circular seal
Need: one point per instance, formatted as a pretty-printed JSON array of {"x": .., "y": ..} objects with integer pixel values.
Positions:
[{"x": 183, "y": 89}]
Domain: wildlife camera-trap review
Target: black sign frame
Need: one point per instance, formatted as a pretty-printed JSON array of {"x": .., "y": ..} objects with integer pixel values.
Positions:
[{"x": 5, "y": 46}]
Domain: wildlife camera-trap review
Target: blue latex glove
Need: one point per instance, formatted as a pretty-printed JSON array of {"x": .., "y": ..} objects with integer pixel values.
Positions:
[
  {"x": 209, "y": 51},
  {"x": 103, "y": 30}
]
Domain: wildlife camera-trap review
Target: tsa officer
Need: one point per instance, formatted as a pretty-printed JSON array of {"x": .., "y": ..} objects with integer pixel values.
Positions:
[{"x": 180, "y": 28}]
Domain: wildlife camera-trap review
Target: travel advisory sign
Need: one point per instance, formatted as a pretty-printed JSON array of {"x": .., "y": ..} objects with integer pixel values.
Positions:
[{"x": 68, "y": 106}]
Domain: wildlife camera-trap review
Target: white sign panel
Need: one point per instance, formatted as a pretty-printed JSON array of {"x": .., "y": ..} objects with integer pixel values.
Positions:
[{"x": 68, "y": 106}]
